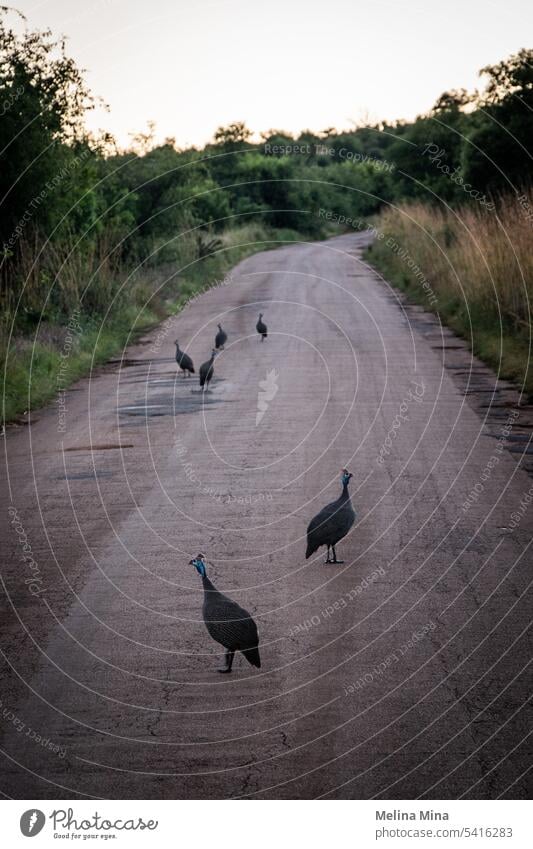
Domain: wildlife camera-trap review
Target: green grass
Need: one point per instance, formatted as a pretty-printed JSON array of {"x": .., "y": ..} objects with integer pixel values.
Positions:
[
  {"x": 33, "y": 372},
  {"x": 30, "y": 368}
]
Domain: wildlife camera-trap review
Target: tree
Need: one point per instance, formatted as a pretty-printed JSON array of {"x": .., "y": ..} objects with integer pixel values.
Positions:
[
  {"x": 497, "y": 154},
  {"x": 452, "y": 101},
  {"x": 233, "y": 134},
  {"x": 44, "y": 100},
  {"x": 512, "y": 76}
]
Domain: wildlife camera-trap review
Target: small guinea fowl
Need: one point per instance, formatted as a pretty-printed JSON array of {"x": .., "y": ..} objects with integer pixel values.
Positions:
[
  {"x": 261, "y": 327},
  {"x": 221, "y": 338},
  {"x": 183, "y": 360},
  {"x": 332, "y": 523},
  {"x": 207, "y": 371},
  {"x": 227, "y": 622}
]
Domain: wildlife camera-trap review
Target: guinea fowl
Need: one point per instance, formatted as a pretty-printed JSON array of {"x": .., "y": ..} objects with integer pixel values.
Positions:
[
  {"x": 221, "y": 338},
  {"x": 332, "y": 523},
  {"x": 261, "y": 327},
  {"x": 207, "y": 371},
  {"x": 183, "y": 360},
  {"x": 227, "y": 622}
]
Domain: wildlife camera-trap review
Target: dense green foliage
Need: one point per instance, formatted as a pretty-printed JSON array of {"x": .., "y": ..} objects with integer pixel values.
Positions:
[{"x": 83, "y": 225}]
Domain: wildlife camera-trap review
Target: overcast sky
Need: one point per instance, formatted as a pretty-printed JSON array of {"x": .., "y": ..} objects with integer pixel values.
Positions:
[{"x": 192, "y": 66}]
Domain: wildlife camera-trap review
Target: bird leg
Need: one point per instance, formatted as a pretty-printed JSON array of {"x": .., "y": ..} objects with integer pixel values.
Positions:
[
  {"x": 335, "y": 556},
  {"x": 228, "y": 661},
  {"x": 327, "y": 558}
]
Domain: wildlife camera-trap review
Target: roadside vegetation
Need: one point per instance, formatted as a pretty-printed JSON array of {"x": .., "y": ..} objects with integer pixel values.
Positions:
[
  {"x": 479, "y": 267},
  {"x": 119, "y": 239},
  {"x": 465, "y": 223},
  {"x": 42, "y": 357}
]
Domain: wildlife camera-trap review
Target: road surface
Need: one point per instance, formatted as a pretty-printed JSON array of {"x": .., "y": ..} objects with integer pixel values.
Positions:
[{"x": 402, "y": 673}]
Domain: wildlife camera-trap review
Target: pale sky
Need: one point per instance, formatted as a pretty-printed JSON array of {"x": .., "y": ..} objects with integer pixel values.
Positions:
[{"x": 293, "y": 64}]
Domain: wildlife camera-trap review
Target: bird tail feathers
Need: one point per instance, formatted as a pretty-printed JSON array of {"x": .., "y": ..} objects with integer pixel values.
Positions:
[
  {"x": 252, "y": 656},
  {"x": 310, "y": 550}
]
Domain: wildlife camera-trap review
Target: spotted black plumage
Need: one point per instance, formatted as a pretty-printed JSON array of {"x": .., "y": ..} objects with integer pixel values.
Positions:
[
  {"x": 183, "y": 360},
  {"x": 227, "y": 622},
  {"x": 221, "y": 338},
  {"x": 207, "y": 371},
  {"x": 332, "y": 523},
  {"x": 261, "y": 327}
]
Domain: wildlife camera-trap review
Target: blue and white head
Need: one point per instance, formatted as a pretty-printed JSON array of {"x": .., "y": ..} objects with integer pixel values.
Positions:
[
  {"x": 199, "y": 564},
  {"x": 346, "y": 475}
]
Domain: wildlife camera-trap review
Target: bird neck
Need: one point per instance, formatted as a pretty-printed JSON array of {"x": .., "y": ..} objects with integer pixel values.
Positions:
[
  {"x": 207, "y": 585},
  {"x": 345, "y": 495}
]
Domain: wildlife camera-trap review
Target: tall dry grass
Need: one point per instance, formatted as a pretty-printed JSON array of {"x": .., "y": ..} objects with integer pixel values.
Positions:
[
  {"x": 479, "y": 266},
  {"x": 483, "y": 259}
]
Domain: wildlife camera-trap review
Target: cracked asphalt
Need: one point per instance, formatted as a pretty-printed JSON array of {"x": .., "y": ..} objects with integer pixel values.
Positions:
[{"x": 402, "y": 673}]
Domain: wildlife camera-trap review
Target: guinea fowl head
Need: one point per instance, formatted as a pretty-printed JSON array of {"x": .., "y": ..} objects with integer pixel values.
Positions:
[
  {"x": 199, "y": 563},
  {"x": 346, "y": 475},
  {"x": 219, "y": 326},
  {"x": 260, "y": 316}
]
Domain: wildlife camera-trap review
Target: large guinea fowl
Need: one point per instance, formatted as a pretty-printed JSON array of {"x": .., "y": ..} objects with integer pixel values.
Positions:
[
  {"x": 221, "y": 338},
  {"x": 227, "y": 622},
  {"x": 332, "y": 523},
  {"x": 207, "y": 371},
  {"x": 261, "y": 327},
  {"x": 183, "y": 360}
]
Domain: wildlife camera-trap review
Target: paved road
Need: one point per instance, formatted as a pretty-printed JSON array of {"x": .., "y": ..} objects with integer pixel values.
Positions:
[{"x": 402, "y": 673}]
